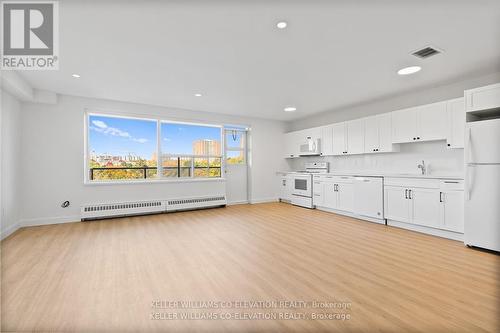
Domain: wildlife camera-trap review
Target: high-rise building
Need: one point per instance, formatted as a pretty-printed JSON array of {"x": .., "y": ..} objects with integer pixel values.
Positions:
[{"x": 206, "y": 147}]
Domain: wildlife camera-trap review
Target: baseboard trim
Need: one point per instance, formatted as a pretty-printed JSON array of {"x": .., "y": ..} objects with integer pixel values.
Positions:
[
  {"x": 241, "y": 202},
  {"x": 9, "y": 231},
  {"x": 427, "y": 230},
  {"x": 50, "y": 220},
  {"x": 263, "y": 200}
]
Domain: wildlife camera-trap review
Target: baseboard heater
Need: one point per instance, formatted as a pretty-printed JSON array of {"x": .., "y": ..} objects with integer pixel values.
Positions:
[{"x": 113, "y": 210}]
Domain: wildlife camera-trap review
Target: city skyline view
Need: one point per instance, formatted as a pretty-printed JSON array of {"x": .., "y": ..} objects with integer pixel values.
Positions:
[{"x": 137, "y": 137}]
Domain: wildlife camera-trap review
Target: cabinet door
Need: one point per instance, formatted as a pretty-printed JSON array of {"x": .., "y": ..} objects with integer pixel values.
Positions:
[
  {"x": 283, "y": 189},
  {"x": 483, "y": 98},
  {"x": 425, "y": 207},
  {"x": 456, "y": 123},
  {"x": 356, "y": 136},
  {"x": 452, "y": 210},
  {"x": 385, "y": 133},
  {"x": 371, "y": 134},
  {"x": 339, "y": 139},
  {"x": 431, "y": 122},
  {"x": 404, "y": 125},
  {"x": 329, "y": 195},
  {"x": 345, "y": 197},
  {"x": 289, "y": 188},
  {"x": 397, "y": 206},
  {"x": 318, "y": 193},
  {"x": 289, "y": 144},
  {"x": 327, "y": 140}
]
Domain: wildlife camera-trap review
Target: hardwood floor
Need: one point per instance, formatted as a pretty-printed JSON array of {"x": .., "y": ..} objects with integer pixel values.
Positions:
[{"x": 104, "y": 275}]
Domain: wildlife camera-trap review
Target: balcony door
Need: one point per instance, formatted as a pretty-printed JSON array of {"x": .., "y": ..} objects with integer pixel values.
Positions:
[{"x": 236, "y": 165}]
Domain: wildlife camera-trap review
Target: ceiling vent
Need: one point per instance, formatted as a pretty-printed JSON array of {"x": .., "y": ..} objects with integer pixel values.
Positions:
[{"x": 426, "y": 52}]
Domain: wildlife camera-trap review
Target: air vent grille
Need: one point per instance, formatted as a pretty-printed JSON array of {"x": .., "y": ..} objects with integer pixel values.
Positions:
[
  {"x": 98, "y": 208},
  {"x": 426, "y": 52},
  {"x": 195, "y": 200}
]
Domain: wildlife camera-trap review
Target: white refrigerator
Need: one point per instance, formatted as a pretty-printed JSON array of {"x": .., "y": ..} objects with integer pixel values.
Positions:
[{"x": 482, "y": 184}]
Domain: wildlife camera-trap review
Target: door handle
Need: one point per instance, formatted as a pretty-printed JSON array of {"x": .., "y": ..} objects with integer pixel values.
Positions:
[
  {"x": 440, "y": 196},
  {"x": 406, "y": 193}
]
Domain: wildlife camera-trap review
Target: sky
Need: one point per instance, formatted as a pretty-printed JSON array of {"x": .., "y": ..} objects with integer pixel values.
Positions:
[{"x": 121, "y": 136}]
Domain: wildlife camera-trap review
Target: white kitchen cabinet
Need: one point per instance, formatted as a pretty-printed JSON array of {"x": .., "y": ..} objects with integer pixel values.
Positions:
[
  {"x": 318, "y": 192},
  {"x": 334, "y": 192},
  {"x": 431, "y": 122},
  {"x": 378, "y": 134},
  {"x": 356, "y": 136},
  {"x": 425, "y": 206},
  {"x": 330, "y": 195},
  {"x": 345, "y": 197},
  {"x": 452, "y": 210},
  {"x": 422, "y": 123},
  {"x": 291, "y": 145},
  {"x": 404, "y": 125},
  {"x": 286, "y": 187},
  {"x": 483, "y": 98},
  {"x": 327, "y": 140},
  {"x": 339, "y": 139},
  {"x": 397, "y": 205},
  {"x": 455, "y": 109},
  {"x": 429, "y": 203}
]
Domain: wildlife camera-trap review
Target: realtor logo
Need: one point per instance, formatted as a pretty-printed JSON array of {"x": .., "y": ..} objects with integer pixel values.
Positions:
[{"x": 30, "y": 35}]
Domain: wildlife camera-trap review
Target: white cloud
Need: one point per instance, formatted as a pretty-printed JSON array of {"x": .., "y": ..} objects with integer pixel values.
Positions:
[
  {"x": 167, "y": 139},
  {"x": 100, "y": 124},
  {"x": 141, "y": 140}
]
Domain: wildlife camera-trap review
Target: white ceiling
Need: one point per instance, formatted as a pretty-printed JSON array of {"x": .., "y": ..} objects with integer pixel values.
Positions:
[{"x": 333, "y": 53}]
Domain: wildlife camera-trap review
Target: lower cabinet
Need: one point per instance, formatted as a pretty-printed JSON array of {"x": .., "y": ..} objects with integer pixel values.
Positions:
[
  {"x": 430, "y": 203},
  {"x": 286, "y": 188},
  {"x": 334, "y": 192}
]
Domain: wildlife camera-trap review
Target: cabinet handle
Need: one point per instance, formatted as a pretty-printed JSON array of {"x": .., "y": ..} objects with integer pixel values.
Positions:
[
  {"x": 406, "y": 193},
  {"x": 450, "y": 182},
  {"x": 409, "y": 194},
  {"x": 440, "y": 196}
]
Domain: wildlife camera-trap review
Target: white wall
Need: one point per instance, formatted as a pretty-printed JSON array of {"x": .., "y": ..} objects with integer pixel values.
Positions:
[
  {"x": 438, "y": 158},
  {"x": 10, "y": 169},
  {"x": 53, "y": 148}
]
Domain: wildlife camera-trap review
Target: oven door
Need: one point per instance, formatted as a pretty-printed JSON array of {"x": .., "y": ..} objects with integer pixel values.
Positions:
[{"x": 302, "y": 185}]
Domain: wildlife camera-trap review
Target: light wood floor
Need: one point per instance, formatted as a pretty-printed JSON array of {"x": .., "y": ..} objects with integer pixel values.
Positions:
[{"x": 103, "y": 276}]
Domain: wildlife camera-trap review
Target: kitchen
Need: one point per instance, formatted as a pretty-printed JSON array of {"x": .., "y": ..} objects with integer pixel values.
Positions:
[{"x": 423, "y": 168}]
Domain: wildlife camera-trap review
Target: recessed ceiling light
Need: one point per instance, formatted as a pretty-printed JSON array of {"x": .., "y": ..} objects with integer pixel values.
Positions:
[
  {"x": 75, "y": 76},
  {"x": 290, "y": 109},
  {"x": 198, "y": 95},
  {"x": 409, "y": 70},
  {"x": 281, "y": 25}
]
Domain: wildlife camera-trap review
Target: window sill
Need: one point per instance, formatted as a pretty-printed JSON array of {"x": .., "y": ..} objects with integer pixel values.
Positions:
[{"x": 155, "y": 181}]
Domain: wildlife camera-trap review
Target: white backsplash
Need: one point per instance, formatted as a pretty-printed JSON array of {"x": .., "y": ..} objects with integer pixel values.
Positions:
[{"x": 438, "y": 158}]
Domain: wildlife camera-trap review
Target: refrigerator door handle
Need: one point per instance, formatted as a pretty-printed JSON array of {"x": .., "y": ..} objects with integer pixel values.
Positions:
[
  {"x": 470, "y": 180},
  {"x": 469, "y": 142}
]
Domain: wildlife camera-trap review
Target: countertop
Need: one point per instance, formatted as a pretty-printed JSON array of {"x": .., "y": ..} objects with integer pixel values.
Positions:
[{"x": 385, "y": 175}]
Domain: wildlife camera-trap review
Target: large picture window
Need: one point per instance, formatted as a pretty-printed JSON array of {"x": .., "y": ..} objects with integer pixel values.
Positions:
[{"x": 121, "y": 148}]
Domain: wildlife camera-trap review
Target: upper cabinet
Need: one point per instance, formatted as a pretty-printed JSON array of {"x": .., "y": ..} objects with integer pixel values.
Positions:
[
  {"x": 455, "y": 109},
  {"x": 327, "y": 140},
  {"x": 348, "y": 137},
  {"x": 378, "y": 134},
  {"x": 383, "y": 133},
  {"x": 356, "y": 136},
  {"x": 484, "y": 98},
  {"x": 422, "y": 123}
]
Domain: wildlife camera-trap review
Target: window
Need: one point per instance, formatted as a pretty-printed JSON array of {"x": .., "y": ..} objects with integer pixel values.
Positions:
[
  {"x": 190, "y": 150},
  {"x": 235, "y": 146},
  {"x": 122, "y": 148}
]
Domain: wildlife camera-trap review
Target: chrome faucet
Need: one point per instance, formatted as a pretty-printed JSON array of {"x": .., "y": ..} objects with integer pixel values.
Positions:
[{"x": 422, "y": 166}]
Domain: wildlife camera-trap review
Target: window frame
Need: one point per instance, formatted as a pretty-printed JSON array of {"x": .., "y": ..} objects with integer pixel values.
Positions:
[
  {"x": 244, "y": 149},
  {"x": 159, "y": 167}
]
